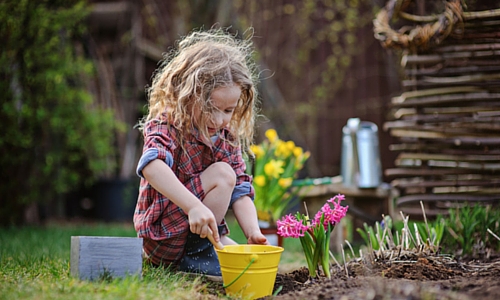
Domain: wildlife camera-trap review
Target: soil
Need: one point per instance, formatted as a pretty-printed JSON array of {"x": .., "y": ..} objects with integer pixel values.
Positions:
[{"x": 415, "y": 276}]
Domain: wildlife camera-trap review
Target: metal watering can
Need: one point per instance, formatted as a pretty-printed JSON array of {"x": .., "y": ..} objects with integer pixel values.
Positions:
[{"x": 360, "y": 157}]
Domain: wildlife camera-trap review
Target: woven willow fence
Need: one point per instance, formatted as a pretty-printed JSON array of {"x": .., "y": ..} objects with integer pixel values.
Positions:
[{"x": 447, "y": 120}]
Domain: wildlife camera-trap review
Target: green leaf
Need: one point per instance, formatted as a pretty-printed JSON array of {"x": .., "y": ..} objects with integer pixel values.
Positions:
[{"x": 308, "y": 245}]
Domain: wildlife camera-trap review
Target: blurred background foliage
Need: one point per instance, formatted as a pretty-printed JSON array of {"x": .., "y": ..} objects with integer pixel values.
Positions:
[
  {"x": 74, "y": 74},
  {"x": 319, "y": 64},
  {"x": 54, "y": 137}
]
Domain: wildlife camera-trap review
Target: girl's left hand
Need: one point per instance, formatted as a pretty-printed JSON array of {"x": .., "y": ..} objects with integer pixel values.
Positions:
[{"x": 258, "y": 238}]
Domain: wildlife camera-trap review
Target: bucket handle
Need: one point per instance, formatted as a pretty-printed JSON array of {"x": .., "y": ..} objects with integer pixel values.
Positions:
[{"x": 241, "y": 274}]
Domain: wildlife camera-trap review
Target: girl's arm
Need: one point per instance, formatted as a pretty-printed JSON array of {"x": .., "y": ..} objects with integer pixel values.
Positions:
[
  {"x": 246, "y": 215},
  {"x": 163, "y": 179}
]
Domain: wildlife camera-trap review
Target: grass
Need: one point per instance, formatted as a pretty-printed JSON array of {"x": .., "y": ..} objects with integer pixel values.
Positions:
[{"x": 34, "y": 264}]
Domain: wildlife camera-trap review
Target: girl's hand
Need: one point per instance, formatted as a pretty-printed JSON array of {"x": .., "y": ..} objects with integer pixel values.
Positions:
[
  {"x": 257, "y": 238},
  {"x": 202, "y": 222}
]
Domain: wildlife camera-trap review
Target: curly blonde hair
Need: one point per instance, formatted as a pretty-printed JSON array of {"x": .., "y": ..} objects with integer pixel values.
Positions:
[{"x": 201, "y": 62}]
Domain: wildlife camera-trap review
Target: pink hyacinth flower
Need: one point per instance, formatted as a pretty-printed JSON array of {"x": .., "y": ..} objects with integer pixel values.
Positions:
[
  {"x": 289, "y": 226},
  {"x": 331, "y": 216}
]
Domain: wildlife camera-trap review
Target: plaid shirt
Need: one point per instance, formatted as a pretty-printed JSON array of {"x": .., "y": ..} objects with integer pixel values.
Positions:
[{"x": 162, "y": 224}]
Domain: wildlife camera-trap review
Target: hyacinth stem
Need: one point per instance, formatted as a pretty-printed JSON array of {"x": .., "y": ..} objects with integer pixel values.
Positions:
[
  {"x": 317, "y": 250},
  {"x": 325, "y": 259},
  {"x": 307, "y": 243},
  {"x": 319, "y": 234}
]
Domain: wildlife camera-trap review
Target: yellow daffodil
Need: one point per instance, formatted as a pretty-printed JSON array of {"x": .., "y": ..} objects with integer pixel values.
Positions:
[
  {"x": 282, "y": 149},
  {"x": 257, "y": 151},
  {"x": 274, "y": 168},
  {"x": 297, "y": 152},
  {"x": 260, "y": 180},
  {"x": 263, "y": 215},
  {"x": 301, "y": 159},
  {"x": 285, "y": 182},
  {"x": 271, "y": 135}
]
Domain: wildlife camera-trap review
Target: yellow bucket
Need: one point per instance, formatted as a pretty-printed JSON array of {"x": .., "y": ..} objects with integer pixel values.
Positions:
[{"x": 249, "y": 270}]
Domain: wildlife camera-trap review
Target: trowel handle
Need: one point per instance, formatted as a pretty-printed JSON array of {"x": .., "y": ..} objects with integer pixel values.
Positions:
[{"x": 210, "y": 236}]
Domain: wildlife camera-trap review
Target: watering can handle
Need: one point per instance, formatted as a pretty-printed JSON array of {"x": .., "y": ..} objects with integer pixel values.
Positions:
[
  {"x": 353, "y": 124},
  {"x": 210, "y": 236}
]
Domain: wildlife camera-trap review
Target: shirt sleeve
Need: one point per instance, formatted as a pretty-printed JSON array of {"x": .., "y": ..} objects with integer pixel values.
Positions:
[
  {"x": 158, "y": 144},
  {"x": 243, "y": 180},
  {"x": 148, "y": 156},
  {"x": 243, "y": 189}
]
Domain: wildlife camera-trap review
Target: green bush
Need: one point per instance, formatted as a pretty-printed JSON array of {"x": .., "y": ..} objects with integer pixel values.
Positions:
[{"x": 54, "y": 138}]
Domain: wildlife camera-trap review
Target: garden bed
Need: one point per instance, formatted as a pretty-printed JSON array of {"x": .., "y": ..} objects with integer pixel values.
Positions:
[
  {"x": 422, "y": 279},
  {"x": 419, "y": 277},
  {"x": 451, "y": 257}
]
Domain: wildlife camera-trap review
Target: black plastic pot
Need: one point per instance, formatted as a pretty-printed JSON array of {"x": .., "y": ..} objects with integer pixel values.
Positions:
[{"x": 114, "y": 200}]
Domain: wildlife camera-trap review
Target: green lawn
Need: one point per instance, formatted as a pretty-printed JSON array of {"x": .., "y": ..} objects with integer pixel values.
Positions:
[{"x": 34, "y": 264}]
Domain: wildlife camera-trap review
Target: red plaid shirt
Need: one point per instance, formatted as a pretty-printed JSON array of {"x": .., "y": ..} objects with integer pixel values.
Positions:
[{"x": 162, "y": 224}]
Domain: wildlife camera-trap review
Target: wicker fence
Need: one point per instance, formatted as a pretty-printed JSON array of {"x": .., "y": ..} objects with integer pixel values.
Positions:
[{"x": 447, "y": 120}]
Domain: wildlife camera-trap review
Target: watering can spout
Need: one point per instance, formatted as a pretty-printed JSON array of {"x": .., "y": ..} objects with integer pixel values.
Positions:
[{"x": 360, "y": 156}]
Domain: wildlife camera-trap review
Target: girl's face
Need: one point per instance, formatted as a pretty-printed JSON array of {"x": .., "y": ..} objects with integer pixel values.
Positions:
[{"x": 224, "y": 101}]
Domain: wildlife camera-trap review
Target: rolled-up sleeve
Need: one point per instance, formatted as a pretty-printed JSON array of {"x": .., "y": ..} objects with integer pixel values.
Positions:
[
  {"x": 150, "y": 155},
  {"x": 243, "y": 180},
  {"x": 158, "y": 144},
  {"x": 243, "y": 189}
]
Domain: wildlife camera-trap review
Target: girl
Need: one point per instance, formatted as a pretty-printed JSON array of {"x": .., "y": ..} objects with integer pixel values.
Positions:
[{"x": 202, "y": 105}]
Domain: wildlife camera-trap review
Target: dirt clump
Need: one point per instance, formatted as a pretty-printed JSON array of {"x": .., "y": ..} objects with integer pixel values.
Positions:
[{"x": 422, "y": 269}]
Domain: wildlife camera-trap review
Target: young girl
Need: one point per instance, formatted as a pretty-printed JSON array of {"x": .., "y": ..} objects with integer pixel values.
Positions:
[{"x": 202, "y": 105}]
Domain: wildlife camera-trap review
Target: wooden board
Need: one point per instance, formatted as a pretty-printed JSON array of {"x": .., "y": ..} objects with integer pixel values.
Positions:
[
  {"x": 411, "y": 172},
  {"x": 445, "y": 197},
  {"x": 403, "y": 183},
  {"x": 334, "y": 188},
  {"x": 449, "y": 157},
  {"x": 95, "y": 257},
  {"x": 444, "y": 149}
]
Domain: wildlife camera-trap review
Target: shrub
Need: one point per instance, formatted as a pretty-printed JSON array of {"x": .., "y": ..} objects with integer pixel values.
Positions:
[{"x": 53, "y": 137}]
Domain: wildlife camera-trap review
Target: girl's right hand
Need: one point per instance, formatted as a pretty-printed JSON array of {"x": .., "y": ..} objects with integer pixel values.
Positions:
[{"x": 202, "y": 221}]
